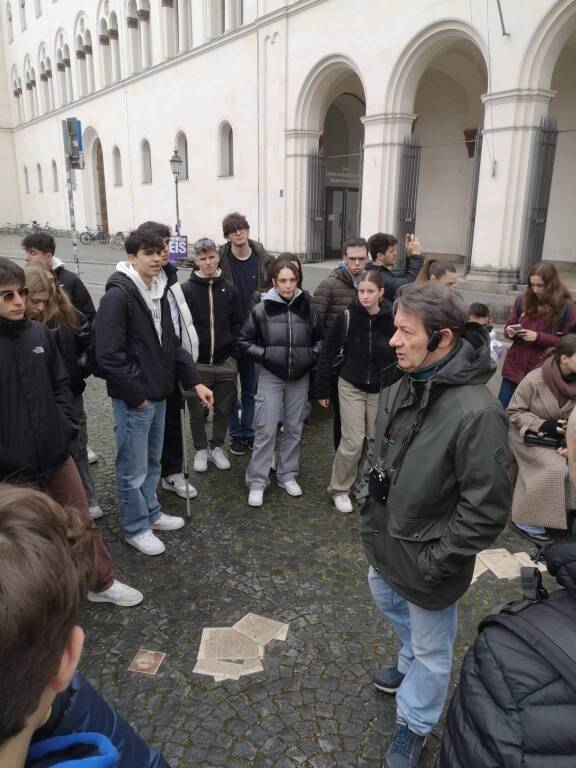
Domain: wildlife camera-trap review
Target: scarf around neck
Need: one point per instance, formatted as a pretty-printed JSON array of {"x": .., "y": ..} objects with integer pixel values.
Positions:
[{"x": 561, "y": 389}]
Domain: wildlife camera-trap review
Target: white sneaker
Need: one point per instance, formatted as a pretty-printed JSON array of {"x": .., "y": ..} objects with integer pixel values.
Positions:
[
  {"x": 177, "y": 484},
  {"x": 119, "y": 594},
  {"x": 92, "y": 456},
  {"x": 291, "y": 487},
  {"x": 201, "y": 460},
  {"x": 256, "y": 497},
  {"x": 96, "y": 512},
  {"x": 343, "y": 504},
  {"x": 147, "y": 543},
  {"x": 168, "y": 523},
  {"x": 219, "y": 458}
]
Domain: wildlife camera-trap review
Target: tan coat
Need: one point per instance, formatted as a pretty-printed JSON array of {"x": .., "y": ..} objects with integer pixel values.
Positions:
[{"x": 543, "y": 493}]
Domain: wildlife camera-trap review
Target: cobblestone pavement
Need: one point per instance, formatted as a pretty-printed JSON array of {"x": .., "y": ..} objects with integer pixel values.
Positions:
[{"x": 295, "y": 560}]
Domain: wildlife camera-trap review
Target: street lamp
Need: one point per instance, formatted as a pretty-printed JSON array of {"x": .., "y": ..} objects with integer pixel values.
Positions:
[{"x": 176, "y": 166}]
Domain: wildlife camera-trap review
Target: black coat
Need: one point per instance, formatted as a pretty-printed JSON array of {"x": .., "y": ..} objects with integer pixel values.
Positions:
[
  {"x": 394, "y": 279},
  {"x": 284, "y": 338},
  {"x": 76, "y": 290},
  {"x": 367, "y": 349},
  {"x": 216, "y": 315},
  {"x": 73, "y": 347},
  {"x": 127, "y": 349},
  {"x": 513, "y": 708},
  {"x": 37, "y": 420}
]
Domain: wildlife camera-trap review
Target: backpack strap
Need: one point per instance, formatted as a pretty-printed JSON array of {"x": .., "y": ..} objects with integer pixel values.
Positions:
[
  {"x": 189, "y": 335},
  {"x": 347, "y": 321}
]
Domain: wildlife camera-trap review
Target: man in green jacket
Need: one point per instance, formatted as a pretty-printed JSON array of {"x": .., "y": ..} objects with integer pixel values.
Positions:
[{"x": 437, "y": 493}]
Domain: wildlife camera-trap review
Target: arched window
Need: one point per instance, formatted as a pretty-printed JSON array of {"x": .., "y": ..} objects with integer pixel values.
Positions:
[
  {"x": 226, "y": 150},
  {"x": 10, "y": 23},
  {"x": 117, "y": 166},
  {"x": 63, "y": 69},
  {"x": 38, "y": 7},
  {"x": 169, "y": 31},
  {"x": 114, "y": 47},
  {"x": 22, "y": 6},
  {"x": 224, "y": 16},
  {"x": 68, "y": 73},
  {"x": 182, "y": 147},
  {"x": 184, "y": 25},
  {"x": 54, "y": 176},
  {"x": 30, "y": 80},
  {"x": 17, "y": 93},
  {"x": 145, "y": 34},
  {"x": 39, "y": 172},
  {"x": 89, "y": 61},
  {"x": 26, "y": 181},
  {"x": 146, "y": 159},
  {"x": 133, "y": 30},
  {"x": 105, "y": 58},
  {"x": 81, "y": 71}
]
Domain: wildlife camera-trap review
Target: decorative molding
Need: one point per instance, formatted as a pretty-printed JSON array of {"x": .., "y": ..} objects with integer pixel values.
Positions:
[
  {"x": 386, "y": 118},
  {"x": 515, "y": 95},
  {"x": 66, "y": 62},
  {"x": 88, "y": 50},
  {"x": 60, "y": 67},
  {"x": 113, "y": 34},
  {"x": 103, "y": 39},
  {"x": 132, "y": 22},
  {"x": 144, "y": 15},
  {"x": 81, "y": 55},
  {"x": 167, "y": 3}
]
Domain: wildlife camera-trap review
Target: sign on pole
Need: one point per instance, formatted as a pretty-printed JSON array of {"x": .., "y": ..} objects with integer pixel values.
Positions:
[
  {"x": 177, "y": 248},
  {"x": 74, "y": 158}
]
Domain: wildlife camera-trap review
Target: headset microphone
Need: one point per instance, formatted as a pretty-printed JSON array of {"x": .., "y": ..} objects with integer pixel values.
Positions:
[{"x": 434, "y": 341}]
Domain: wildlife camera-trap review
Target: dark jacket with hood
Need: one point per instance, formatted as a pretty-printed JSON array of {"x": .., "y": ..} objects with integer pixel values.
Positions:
[
  {"x": 128, "y": 352},
  {"x": 37, "y": 420},
  {"x": 394, "y": 279},
  {"x": 514, "y": 708},
  {"x": 75, "y": 288},
  {"x": 264, "y": 261},
  {"x": 450, "y": 495},
  {"x": 333, "y": 295},
  {"x": 217, "y": 317},
  {"x": 366, "y": 348},
  {"x": 80, "y": 709},
  {"x": 73, "y": 347},
  {"x": 285, "y": 337}
]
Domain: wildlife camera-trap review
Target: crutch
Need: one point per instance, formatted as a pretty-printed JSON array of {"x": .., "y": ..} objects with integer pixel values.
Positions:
[{"x": 185, "y": 467}]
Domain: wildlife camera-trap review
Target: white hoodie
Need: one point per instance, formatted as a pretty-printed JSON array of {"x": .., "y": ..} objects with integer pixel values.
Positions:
[{"x": 152, "y": 296}]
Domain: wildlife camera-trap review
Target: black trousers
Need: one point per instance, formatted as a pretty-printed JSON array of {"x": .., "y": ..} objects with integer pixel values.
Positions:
[{"x": 172, "y": 456}]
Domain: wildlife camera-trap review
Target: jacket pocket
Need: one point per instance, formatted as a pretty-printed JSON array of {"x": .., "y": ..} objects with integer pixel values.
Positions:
[
  {"x": 415, "y": 529},
  {"x": 259, "y": 411}
]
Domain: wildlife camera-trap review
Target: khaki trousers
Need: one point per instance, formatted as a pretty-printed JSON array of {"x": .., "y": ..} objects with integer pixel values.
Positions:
[{"x": 358, "y": 416}]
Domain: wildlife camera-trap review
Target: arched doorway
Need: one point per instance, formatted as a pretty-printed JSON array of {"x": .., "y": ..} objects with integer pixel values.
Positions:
[
  {"x": 95, "y": 201},
  {"x": 100, "y": 187}
]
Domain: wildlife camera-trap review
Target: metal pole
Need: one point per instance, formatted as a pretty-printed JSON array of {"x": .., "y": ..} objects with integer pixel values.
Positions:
[
  {"x": 177, "y": 208},
  {"x": 504, "y": 32},
  {"x": 70, "y": 197}
]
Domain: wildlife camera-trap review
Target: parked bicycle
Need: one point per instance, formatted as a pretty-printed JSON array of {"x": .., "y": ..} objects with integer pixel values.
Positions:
[
  {"x": 118, "y": 240},
  {"x": 90, "y": 236}
]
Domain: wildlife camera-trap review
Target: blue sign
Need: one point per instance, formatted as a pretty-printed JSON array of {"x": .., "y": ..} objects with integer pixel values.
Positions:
[{"x": 178, "y": 248}]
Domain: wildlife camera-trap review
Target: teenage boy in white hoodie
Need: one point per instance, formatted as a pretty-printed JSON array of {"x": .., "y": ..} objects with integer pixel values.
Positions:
[{"x": 139, "y": 355}]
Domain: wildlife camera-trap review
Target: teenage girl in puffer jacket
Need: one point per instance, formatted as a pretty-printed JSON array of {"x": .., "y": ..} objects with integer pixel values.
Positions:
[{"x": 282, "y": 333}]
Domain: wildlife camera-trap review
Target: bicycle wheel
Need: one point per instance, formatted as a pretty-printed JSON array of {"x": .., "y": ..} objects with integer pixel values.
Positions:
[
  {"x": 117, "y": 241},
  {"x": 103, "y": 238},
  {"x": 85, "y": 238}
]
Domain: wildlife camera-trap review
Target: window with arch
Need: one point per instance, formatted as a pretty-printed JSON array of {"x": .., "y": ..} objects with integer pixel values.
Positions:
[
  {"x": 84, "y": 58},
  {"x": 54, "y": 176},
  {"x": 26, "y": 181},
  {"x": 133, "y": 34},
  {"x": 146, "y": 160},
  {"x": 64, "y": 70},
  {"x": 17, "y": 93},
  {"x": 38, "y": 7},
  {"x": 117, "y": 166},
  {"x": 32, "y": 95},
  {"x": 226, "y": 150},
  {"x": 184, "y": 25},
  {"x": 39, "y": 174},
  {"x": 10, "y": 23},
  {"x": 169, "y": 30},
  {"x": 22, "y": 8},
  {"x": 145, "y": 33},
  {"x": 224, "y": 16},
  {"x": 46, "y": 80},
  {"x": 109, "y": 46},
  {"x": 182, "y": 147}
]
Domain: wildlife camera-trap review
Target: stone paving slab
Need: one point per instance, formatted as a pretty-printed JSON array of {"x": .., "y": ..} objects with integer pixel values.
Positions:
[{"x": 295, "y": 559}]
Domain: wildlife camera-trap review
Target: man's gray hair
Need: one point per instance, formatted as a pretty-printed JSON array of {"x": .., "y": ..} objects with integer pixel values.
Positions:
[{"x": 438, "y": 306}]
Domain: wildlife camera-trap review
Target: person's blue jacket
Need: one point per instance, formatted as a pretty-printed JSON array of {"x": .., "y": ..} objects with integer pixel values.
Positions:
[{"x": 82, "y": 711}]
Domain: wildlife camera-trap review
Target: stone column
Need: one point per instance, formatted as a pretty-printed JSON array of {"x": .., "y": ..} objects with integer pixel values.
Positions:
[
  {"x": 229, "y": 15},
  {"x": 184, "y": 26},
  {"x": 511, "y": 121},
  {"x": 299, "y": 144}
]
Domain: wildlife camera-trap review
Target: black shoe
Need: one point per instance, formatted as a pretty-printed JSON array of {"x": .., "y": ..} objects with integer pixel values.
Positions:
[
  {"x": 540, "y": 539},
  {"x": 388, "y": 679},
  {"x": 248, "y": 442},
  {"x": 405, "y": 748},
  {"x": 237, "y": 446}
]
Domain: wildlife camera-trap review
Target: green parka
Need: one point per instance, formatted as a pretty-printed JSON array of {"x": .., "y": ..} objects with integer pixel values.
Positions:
[{"x": 450, "y": 495}]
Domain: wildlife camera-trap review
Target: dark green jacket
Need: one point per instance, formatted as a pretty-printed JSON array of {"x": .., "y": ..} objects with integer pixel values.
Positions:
[{"x": 450, "y": 496}]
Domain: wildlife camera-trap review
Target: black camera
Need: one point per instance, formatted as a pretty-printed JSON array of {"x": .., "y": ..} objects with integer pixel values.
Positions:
[{"x": 379, "y": 484}]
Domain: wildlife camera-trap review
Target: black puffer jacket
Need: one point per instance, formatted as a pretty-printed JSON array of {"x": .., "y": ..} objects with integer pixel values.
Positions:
[
  {"x": 75, "y": 288},
  {"x": 513, "y": 708},
  {"x": 37, "y": 421},
  {"x": 394, "y": 279},
  {"x": 128, "y": 352},
  {"x": 367, "y": 349},
  {"x": 73, "y": 347},
  {"x": 333, "y": 295},
  {"x": 217, "y": 317},
  {"x": 284, "y": 337}
]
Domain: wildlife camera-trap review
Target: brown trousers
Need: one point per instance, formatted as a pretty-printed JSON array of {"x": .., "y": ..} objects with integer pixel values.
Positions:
[{"x": 65, "y": 486}]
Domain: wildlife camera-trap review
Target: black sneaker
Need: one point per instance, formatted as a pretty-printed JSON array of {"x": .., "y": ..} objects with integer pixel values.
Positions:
[
  {"x": 405, "y": 748},
  {"x": 540, "y": 539},
  {"x": 388, "y": 679},
  {"x": 248, "y": 442},
  {"x": 237, "y": 446}
]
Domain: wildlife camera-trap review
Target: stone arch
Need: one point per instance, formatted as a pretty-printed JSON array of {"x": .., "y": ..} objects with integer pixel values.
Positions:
[
  {"x": 94, "y": 180},
  {"x": 550, "y": 36}
]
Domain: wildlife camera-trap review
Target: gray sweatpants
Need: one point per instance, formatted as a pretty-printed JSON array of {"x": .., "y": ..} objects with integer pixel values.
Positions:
[
  {"x": 277, "y": 400},
  {"x": 79, "y": 453}
]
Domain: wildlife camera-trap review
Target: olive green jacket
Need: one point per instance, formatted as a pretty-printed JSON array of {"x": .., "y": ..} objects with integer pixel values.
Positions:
[{"x": 450, "y": 496}]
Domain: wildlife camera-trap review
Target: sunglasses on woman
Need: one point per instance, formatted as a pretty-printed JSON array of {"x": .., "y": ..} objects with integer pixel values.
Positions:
[{"x": 9, "y": 296}]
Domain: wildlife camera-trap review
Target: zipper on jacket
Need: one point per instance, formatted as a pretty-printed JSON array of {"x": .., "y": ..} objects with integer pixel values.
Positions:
[
  {"x": 211, "y": 304},
  {"x": 289, "y": 342},
  {"x": 369, "y": 348}
]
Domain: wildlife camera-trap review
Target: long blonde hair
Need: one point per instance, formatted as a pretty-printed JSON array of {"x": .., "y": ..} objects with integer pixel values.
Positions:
[{"x": 59, "y": 308}]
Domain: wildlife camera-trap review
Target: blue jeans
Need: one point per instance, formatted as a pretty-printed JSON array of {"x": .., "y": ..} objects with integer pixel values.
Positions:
[
  {"x": 425, "y": 657},
  {"x": 533, "y": 529},
  {"x": 139, "y": 439},
  {"x": 507, "y": 389},
  {"x": 247, "y": 374}
]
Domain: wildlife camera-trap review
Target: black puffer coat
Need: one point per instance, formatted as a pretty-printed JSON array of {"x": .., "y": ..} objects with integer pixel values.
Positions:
[
  {"x": 333, "y": 295},
  {"x": 513, "y": 709},
  {"x": 73, "y": 347},
  {"x": 283, "y": 337},
  {"x": 367, "y": 349}
]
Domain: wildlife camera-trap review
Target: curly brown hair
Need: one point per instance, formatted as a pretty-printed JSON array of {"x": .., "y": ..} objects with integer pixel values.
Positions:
[{"x": 554, "y": 298}]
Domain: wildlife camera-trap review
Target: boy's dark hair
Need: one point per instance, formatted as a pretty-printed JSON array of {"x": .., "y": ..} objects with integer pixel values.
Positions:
[
  {"x": 143, "y": 238},
  {"x": 41, "y": 241},
  {"x": 479, "y": 310},
  {"x": 380, "y": 242},
  {"x": 162, "y": 230},
  {"x": 353, "y": 242},
  {"x": 11, "y": 273},
  {"x": 46, "y": 567},
  {"x": 232, "y": 222}
]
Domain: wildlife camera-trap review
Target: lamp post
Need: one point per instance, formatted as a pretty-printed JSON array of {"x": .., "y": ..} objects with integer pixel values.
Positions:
[{"x": 176, "y": 166}]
